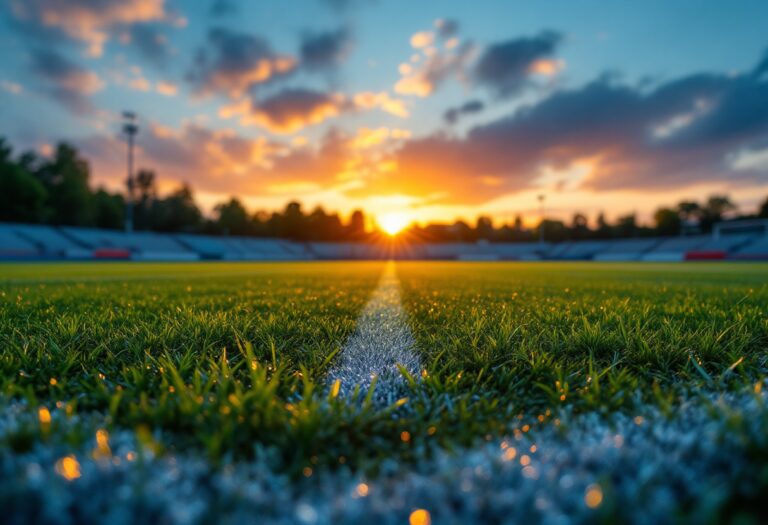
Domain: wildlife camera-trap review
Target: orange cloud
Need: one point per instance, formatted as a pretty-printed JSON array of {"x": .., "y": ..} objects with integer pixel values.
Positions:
[
  {"x": 546, "y": 67},
  {"x": 368, "y": 138},
  {"x": 287, "y": 112},
  {"x": 166, "y": 88},
  {"x": 89, "y": 22},
  {"x": 381, "y": 100},
  {"x": 422, "y": 39}
]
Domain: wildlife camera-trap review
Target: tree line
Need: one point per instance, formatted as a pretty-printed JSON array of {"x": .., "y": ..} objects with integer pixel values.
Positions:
[{"x": 57, "y": 190}]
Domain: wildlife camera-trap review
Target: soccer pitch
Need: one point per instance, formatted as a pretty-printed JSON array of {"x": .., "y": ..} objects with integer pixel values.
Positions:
[{"x": 390, "y": 392}]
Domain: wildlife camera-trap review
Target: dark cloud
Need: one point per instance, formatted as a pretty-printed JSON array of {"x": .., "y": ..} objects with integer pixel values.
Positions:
[
  {"x": 679, "y": 133},
  {"x": 289, "y": 110},
  {"x": 233, "y": 63},
  {"x": 447, "y": 28},
  {"x": 224, "y": 7},
  {"x": 506, "y": 67},
  {"x": 90, "y": 22},
  {"x": 322, "y": 51},
  {"x": 452, "y": 115},
  {"x": 150, "y": 42},
  {"x": 435, "y": 70},
  {"x": 66, "y": 81}
]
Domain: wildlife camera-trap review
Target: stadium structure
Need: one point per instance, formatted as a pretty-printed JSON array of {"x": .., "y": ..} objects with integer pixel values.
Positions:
[{"x": 735, "y": 240}]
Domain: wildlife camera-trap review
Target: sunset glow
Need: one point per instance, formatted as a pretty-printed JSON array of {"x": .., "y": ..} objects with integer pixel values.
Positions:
[{"x": 394, "y": 222}]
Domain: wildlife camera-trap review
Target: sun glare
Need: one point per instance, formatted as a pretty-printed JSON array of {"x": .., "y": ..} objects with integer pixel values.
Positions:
[{"x": 393, "y": 223}]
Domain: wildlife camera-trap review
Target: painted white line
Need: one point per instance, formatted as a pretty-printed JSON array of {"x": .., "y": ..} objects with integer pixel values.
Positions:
[{"x": 381, "y": 341}]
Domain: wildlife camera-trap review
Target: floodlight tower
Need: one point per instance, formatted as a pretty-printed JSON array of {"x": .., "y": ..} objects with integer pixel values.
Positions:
[
  {"x": 130, "y": 129},
  {"x": 541, "y": 217}
]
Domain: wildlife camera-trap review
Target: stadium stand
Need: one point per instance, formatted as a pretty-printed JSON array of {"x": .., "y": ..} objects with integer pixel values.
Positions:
[
  {"x": 14, "y": 246},
  {"x": 743, "y": 241},
  {"x": 579, "y": 250},
  {"x": 626, "y": 249},
  {"x": 674, "y": 249},
  {"x": 757, "y": 249}
]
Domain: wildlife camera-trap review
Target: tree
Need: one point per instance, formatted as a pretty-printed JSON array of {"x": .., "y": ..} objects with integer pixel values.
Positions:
[
  {"x": 484, "y": 228},
  {"x": 232, "y": 218},
  {"x": 65, "y": 178},
  {"x": 22, "y": 196},
  {"x": 579, "y": 226},
  {"x": 108, "y": 210},
  {"x": 667, "y": 221},
  {"x": 714, "y": 210},
  {"x": 763, "y": 211},
  {"x": 626, "y": 226},
  {"x": 356, "y": 227},
  {"x": 176, "y": 212},
  {"x": 603, "y": 228}
]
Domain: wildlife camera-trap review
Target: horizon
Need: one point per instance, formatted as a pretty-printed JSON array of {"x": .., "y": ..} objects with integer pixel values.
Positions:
[{"x": 433, "y": 114}]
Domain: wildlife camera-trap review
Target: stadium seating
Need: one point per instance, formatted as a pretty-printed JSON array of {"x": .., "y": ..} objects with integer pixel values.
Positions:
[
  {"x": 626, "y": 249},
  {"x": 756, "y": 249},
  {"x": 12, "y": 245},
  {"x": 674, "y": 249},
  {"x": 29, "y": 241}
]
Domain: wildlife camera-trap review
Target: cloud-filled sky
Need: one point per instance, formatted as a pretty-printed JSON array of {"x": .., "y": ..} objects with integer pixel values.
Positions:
[{"x": 438, "y": 109}]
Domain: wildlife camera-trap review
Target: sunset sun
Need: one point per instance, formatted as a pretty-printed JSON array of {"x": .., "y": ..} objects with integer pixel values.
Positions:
[{"x": 393, "y": 223}]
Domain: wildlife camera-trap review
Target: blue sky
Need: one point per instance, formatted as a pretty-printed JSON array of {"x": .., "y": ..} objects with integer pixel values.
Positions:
[{"x": 614, "y": 107}]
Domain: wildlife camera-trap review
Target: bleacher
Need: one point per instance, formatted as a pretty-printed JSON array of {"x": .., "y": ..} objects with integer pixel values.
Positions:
[{"x": 743, "y": 241}]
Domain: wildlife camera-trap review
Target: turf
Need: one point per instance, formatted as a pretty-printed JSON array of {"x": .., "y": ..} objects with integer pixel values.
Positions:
[{"x": 228, "y": 362}]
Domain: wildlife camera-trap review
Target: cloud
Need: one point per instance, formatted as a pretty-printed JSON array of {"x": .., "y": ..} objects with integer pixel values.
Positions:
[
  {"x": 322, "y": 51},
  {"x": 149, "y": 41},
  {"x": 383, "y": 101},
  {"x": 447, "y": 28},
  {"x": 438, "y": 66},
  {"x": 168, "y": 89},
  {"x": 66, "y": 81},
  {"x": 609, "y": 130},
  {"x": 422, "y": 39},
  {"x": 452, "y": 115},
  {"x": 294, "y": 109},
  {"x": 288, "y": 111},
  {"x": 233, "y": 63},
  {"x": 88, "y": 21},
  {"x": 367, "y": 138},
  {"x": 11, "y": 87},
  {"x": 224, "y": 7},
  {"x": 440, "y": 57},
  {"x": 223, "y": 162},
  {"x": 506, "y": 67}
]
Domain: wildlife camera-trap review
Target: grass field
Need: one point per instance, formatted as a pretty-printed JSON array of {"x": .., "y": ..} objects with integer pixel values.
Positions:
[{"x": 633, "y": 391}]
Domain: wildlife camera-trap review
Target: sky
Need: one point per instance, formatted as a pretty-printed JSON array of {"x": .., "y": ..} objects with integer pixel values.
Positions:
[{"x": 435, "y": 110}]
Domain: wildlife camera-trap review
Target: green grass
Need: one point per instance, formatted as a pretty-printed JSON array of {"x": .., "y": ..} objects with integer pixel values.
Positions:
[{"x": 229, "y": 359}]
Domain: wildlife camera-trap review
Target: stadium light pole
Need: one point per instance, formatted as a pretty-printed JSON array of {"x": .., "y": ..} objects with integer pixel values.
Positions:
[
  {"x": 130, "y": 129},
  {"x": 541, "y": 218}
]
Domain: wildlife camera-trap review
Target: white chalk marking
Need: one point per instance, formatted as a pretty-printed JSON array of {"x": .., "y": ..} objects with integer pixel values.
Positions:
[{"x": 381, "y": 341}]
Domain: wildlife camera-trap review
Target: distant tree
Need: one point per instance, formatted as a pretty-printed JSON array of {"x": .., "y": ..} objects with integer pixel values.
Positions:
[
  {"x": 716, "y": 207},
  {"x": 66, "y": 178},
  {"x": 176, "y": 212},
  {"x": 518, "y": 224},
  {"x": 484, "y": 228},
  {"x": 667, "y": 221},
  {"x": 22, "y": 196},
  {"x": 554, "y": 230},
  {"x": 603, "y": 230},
  {"x": 145, "y": 195},
  {"x": 231, "y": 218},
  {"x": 763, "y": 211},
  {"x": 579, "y": 227},
  {"x": 461, "y": 232},
  {"x": 108, "y": 210},
  {"x": 356, "y": 226},
  {"x": 626, "y": 226}
]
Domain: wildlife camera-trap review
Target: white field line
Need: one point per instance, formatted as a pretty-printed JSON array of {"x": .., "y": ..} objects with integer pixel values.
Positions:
[{"x": 381, "y": 341}]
